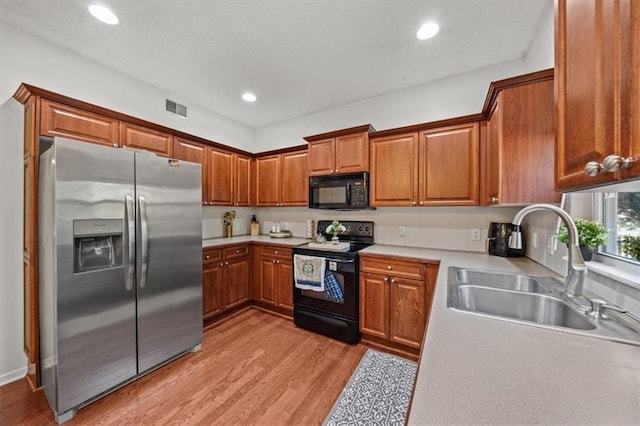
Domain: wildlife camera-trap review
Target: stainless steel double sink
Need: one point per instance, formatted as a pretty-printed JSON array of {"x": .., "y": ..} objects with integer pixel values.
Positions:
[{"x": 535, "y": 301}]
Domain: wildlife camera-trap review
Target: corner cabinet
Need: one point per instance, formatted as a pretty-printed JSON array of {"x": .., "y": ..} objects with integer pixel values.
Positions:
[
  {"x": 341, "y": 151},
  {"x": 282, "y": 180},
  {"x": 395, "y": 300},
  {"x": 520, "y": 141},
  {"x": 437, "y": 166},
  {"x": 597, "y": 92},
  {"x": 226, "y": 176},
  {"x": 273, "y": 280}
]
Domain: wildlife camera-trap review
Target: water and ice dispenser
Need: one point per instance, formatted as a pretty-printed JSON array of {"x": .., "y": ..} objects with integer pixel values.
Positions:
[{"x": 97, "y": 244}]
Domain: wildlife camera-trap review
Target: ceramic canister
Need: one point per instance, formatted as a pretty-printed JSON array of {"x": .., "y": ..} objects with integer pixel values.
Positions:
[{"x": 310, "y": 231}]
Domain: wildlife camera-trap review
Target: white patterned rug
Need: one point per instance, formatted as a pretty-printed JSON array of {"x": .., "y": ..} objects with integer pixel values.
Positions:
[{"x": 378, "y": 392}]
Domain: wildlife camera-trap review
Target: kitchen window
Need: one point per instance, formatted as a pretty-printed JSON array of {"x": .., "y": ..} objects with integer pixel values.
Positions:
[{"x": 621, "y": 214}]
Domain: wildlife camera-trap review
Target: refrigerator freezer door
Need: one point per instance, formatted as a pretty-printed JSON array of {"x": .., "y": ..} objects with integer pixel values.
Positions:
[
  {"x": 169, "y": 247},
  {"x": 94, "y": 307}
]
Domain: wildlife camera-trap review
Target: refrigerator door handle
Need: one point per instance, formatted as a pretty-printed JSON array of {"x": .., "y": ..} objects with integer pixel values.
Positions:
[
  {"x": 144, "y": 240},
  {"x": 130, "y": 241}
]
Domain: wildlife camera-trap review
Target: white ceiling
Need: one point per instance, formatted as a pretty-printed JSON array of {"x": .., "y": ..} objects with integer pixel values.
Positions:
[{"x": 298, "y": 57}]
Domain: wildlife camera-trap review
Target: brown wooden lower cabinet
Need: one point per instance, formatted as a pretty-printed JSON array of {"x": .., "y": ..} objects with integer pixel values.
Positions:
[
  {"x": 395, "y": 300},
  {"x": 225, "y": 279},
  {"x": 273, "y": 285}
]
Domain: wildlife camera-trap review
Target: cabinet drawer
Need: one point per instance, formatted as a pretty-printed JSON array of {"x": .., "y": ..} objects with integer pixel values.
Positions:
[
  {"x": 275, "y": 252},
  {"x": 211, "y": 256},
  {"x": 393, "y": 267},
  {"x": 235, "y": 252}
]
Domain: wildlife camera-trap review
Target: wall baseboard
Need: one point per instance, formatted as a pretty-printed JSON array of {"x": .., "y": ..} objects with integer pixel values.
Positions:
[{"x": 12, "y": 376}]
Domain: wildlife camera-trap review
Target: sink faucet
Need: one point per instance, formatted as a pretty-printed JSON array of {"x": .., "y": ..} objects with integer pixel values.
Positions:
[{"x": 577, "y": 270}]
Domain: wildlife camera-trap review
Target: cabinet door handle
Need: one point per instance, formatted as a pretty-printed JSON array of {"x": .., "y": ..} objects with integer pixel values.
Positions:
[
  {"x": 276, "y": 251},
  {"x": 493, "y": 199},
  {"x": 221, "y": 264},
  {"x": 393, "y": 280},
  {"x": 277, "y": 261},
  {"x": 115, "y": 145},
  {"x": 273, "y": 261},
  {"x": 386, "y": 279},
  {"x": 207, "y": 257},
  {"x": 226, "y": 263},
  {"x": 612, "y": 163}
]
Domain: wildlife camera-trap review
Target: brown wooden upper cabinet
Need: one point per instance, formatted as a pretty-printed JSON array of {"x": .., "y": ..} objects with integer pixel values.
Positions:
[
  {"x": 138, "y": 137},
  {"x": 186, "y": 150},
  {"x": 282, "y": 180},
  {"x": 57, "y": 119},
  {"x": 432, "y": 167},
  {"x": 226, "y": 177},
  {"x": 520, "y": 141},
  {"x": 342, "y": 151},
  {"x": 221, "y": 173},
  {"x": 597, "y": 92}
]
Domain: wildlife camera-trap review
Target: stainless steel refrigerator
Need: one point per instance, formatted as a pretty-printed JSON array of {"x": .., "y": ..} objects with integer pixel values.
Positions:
[{"x": 120, "y": 268}]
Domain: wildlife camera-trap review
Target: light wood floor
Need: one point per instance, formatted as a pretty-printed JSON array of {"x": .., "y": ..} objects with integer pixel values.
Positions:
[{"x": 254, "y": 368}]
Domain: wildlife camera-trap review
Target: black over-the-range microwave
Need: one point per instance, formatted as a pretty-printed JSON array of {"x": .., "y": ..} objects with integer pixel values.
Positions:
[{"x": 339, "y": 192}]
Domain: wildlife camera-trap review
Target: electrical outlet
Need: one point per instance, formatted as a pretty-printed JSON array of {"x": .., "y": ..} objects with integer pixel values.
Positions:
[
  {"x": 534, "y": 239},
  {"x": 475, "y": 234},
  {"x": 402, "y": 231}
]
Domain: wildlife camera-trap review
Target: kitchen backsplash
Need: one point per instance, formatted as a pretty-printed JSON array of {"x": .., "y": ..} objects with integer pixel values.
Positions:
[{"x": 435, "y": 227}]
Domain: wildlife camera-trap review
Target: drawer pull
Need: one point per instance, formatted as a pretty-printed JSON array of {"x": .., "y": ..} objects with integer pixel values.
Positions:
[
  {"x": 237, "y": 251},
  {"x": 207, "y": 257},
  {"x": 389, "y": 267},
  {"x": 277, "y": 252}
]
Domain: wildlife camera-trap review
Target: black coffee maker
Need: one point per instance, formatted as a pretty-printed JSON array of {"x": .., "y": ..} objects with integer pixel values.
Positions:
[{"x": 498, "y": 240}]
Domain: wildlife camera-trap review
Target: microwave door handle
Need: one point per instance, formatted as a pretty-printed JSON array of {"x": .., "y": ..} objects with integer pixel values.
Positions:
[{"x": 348, "y": 194}]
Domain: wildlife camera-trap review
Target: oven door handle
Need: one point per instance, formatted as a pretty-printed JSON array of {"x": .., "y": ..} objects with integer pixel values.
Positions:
[{"x": 332, "y": 259}]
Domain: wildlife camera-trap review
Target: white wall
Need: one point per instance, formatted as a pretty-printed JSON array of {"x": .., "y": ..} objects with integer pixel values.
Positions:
[
  {"x": 540, "y": 54},
  {"x": 451, "y": 97}
]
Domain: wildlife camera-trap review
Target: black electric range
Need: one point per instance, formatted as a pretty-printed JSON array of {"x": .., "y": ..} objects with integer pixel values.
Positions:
[{"x": 334, "y": 310}]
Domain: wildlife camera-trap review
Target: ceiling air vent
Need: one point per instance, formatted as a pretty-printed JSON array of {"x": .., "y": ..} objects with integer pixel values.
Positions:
[{"x": 176, "y": 108}]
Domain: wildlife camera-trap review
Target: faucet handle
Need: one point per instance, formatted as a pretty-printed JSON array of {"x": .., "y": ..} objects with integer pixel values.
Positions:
[{"x": 598, "y": 307}]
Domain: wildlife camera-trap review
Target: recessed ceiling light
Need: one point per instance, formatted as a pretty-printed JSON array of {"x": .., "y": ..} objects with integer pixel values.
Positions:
[
  {"x": 249, "y": 97},
  {"x": 102, "y": 13},
  {"x": 427, "y": 31}
]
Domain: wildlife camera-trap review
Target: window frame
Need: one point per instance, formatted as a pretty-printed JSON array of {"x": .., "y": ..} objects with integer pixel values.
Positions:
[{"x": 608, "y": 263}]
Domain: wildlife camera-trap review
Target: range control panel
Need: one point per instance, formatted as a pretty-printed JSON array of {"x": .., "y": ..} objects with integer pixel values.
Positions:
[{"x": 354, "y": 228}]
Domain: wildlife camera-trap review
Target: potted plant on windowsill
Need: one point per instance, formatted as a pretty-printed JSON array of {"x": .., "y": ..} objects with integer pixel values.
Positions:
[
  {"x": 591, "y": 234},
  {"x": 631, "y": 246}
]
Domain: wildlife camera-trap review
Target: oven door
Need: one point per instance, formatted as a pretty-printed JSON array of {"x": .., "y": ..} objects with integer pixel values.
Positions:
[{"x": 340, "y": 296}]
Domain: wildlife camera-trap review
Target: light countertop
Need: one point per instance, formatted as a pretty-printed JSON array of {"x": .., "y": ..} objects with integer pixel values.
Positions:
[
  {"x": 262, "y": 239},
  {"x": 477, "y": 370}
]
